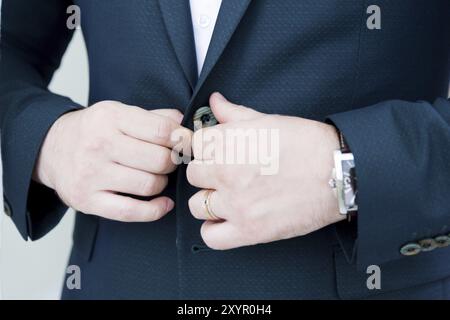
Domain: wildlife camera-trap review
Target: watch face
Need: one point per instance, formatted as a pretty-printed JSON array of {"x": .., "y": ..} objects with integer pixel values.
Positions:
[{"x": 349, "y": 182}]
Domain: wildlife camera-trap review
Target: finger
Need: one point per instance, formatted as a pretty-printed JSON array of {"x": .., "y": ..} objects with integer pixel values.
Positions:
[
  {"x": 182, "y": 141},
  {"x": 221, "y": 235},
  {"x": 151, "y": 127},
  {"x": 208, "y": 143},
  {"x": 142, "y": 155},
  {"x": 197, "y": 206},
  {"x": 225, "y": 111},
  {"x": 203, "y": 174},
  {"x": 130, "y": 181},
  {"x": 173, "y": 114},
  {"x": 121, "y": 208}
]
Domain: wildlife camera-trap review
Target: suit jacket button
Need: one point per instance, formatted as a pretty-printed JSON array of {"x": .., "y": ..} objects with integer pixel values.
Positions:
[
  {"x": 410, "y": 249},
  {"x": 427, "y": 245},
  {"x": 442, "y": 241},
  {"x": 204, "y": 118}
]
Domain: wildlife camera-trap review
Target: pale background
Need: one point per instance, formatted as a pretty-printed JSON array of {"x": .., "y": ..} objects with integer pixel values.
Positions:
[{"x": 35, "y": 270}]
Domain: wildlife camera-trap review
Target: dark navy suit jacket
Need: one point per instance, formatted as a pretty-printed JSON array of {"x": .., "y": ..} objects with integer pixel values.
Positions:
[{"x": 386, "y": 90}]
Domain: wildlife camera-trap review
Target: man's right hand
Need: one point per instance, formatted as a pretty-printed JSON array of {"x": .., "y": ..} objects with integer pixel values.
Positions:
[{"x": 93, "y": 156}]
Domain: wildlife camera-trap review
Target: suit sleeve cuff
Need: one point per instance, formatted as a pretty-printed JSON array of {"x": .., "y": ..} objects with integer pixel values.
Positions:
[
  {"x": 391, "y": 143},
  {"x": 34, "y": 208}
]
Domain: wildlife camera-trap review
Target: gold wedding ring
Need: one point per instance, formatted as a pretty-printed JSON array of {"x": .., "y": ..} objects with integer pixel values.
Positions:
[{"x": 208, "y": 209}]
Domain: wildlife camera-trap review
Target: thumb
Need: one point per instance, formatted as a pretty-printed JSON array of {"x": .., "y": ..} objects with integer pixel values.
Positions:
[{"x": 225, "y": 111}]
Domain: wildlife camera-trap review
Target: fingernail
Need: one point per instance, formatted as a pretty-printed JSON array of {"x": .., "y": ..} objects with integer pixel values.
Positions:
[
  {"x": 169, "y": 205},
  {"x": 220, "y": 96}
]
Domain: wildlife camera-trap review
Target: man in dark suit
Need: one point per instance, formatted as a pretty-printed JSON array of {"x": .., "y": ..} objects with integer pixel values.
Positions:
[{"x": 347, "y": 80}]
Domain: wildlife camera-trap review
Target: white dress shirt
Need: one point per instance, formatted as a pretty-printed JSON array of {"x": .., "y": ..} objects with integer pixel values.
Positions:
[{"x": 204, "y": 15}]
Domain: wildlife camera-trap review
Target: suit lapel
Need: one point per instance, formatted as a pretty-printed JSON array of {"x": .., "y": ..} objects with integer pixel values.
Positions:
[
  {"x": 177, "y": 18},
  {"x": 231, "y": 13}
]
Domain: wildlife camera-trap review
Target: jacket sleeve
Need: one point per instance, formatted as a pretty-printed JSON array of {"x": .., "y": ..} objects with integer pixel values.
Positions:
[
  {"x": 402, "y": 158},
  {"x": 34, "y": 38}
]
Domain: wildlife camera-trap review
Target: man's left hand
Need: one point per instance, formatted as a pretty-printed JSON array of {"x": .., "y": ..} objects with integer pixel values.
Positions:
[{"x": 247, "y": 206}]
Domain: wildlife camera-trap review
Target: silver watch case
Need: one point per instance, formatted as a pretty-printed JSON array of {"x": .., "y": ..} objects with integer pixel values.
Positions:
[{"x": 342, "y": 182}]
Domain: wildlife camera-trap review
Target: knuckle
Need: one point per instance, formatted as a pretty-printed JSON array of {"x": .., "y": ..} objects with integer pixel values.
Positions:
[
  {"x": 154, "y": 212},
  {"x": 163, "y": 129},
  {"x": 126, "y": 212},
  {"x": 224, "y": 176},
  {"x": 147, "y": 186},
  {"x": 163, "y": 161},
  {"x": 100, "y": 110},
  {"x": 96, "y": 144},
  {"x": 175, "y": 114},
  {"x": 104, "y": 112}
]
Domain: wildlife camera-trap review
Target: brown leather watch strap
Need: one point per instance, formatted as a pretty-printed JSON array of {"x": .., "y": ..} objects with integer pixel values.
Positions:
[{"x": 342, "y": 142}]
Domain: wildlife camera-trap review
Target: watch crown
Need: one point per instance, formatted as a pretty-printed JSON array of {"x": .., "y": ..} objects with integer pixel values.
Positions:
[{"x": 332, "y": 183}]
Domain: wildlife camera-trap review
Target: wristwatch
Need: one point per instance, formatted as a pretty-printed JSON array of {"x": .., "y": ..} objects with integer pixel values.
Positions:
[{"x": 343, "y": 181}]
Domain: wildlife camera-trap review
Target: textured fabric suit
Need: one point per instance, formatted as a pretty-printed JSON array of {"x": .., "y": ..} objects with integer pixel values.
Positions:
[{"x": 386, "y": 89}]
